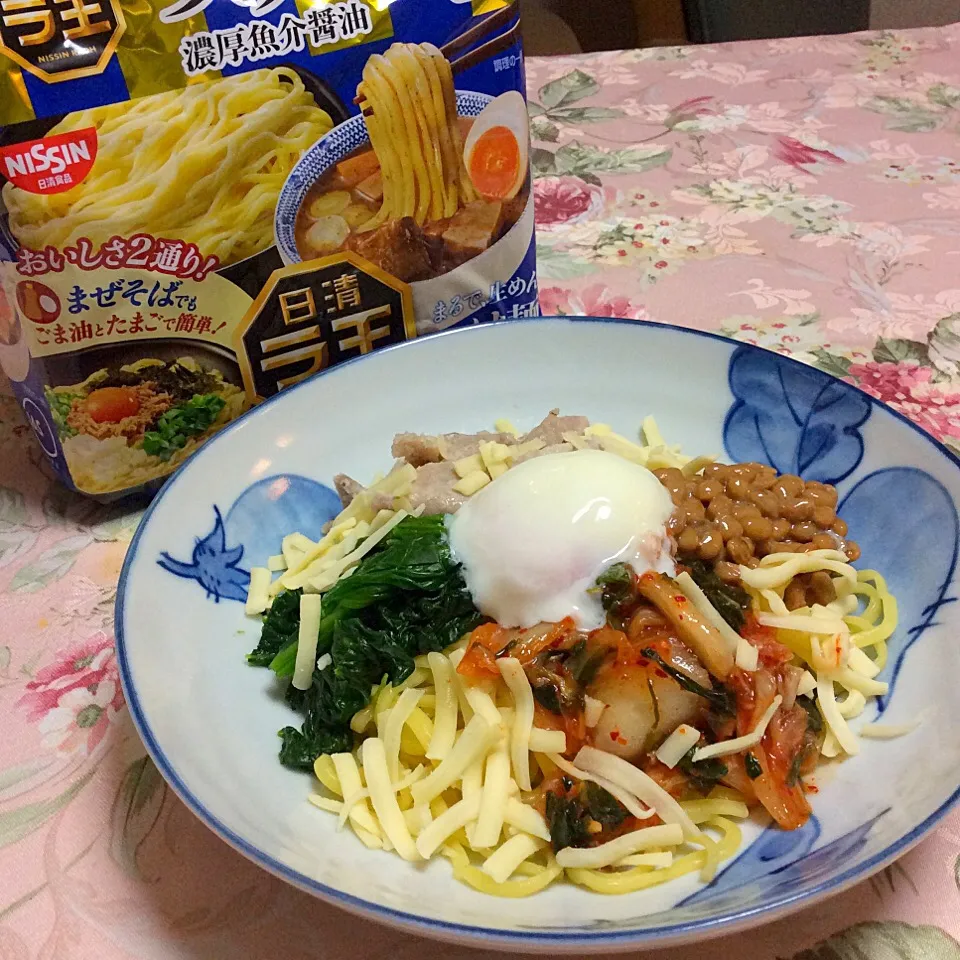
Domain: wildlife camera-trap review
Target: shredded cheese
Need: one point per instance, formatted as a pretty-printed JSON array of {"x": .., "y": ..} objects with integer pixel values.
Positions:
[
  {"x": 607, "y": 854},
  {"x": 445, "y": 712},
  {"x": 492, "y": 453},
  {"x": 525, "y": 818},
  {"x": 592, "y": 710},
  {"x": 257, "y": 597},
  {"x": 493, "y": 799},
  {"x": 325, "y": 803},
  {"x": 807, "y": 684},
  {"x": 519, "y": 450},
  {"x": 331, "y": 575},
  {"x": 888, "y": 731},
  {"x": 308, "y": 635},
  {"x": 364, "y": 792},
  {"x": 459, "y": 815},
  {"x": 482, "y": 702},
  {"x": 506, "y": 858},
  {"x": 516, "y": 679},
  {"x": 631, "y": 802},
  {"x": 675, "y": 747},
  {"x": 727, "y": 747},
  {"x": 660, "y": 860},
  {"x": 348, "y": 773},
  {"x": 505, "y": 426},
  {"x": 293, "y": 547},
  {"x": 467, "y": 465},
  {"x": 801, "y": 624},
  {"x": 547, "y": 741},
  {"x": 652, "y": 436},
  {"x": 471, "y": 483},
  {"x": 694, "y": 466},
  {"x": 830, "y": 748},
  {"x": 622, "y": 447},
  {"x": 384, "y": 799},
  {"x": 472, "y": 782},
  {"x": 294, "y": 580},
  {"x": 854, "y": 680},
  {"x": 857, "y": 660},
  {"x": 455, "y": 656},
  {"x": 635, "y": 781},
  {"x": 399, "y": 714},
  {"x": 747, "y": 656},
  {"x": 477, "y": 737},
  {"x": 576, "y": 440},
  {"x": 830, "y": 654},
  {"x": 276, "y": 563},
  {"x": 827, "y": 700},
  {"x": 777, "y": 607},
  {"x": 699, "y": 599}
]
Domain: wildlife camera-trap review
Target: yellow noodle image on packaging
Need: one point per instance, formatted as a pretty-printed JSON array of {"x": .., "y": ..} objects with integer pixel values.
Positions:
[
  {"x": 123, "y": 426},
  {"x": 204, "y": 164}
]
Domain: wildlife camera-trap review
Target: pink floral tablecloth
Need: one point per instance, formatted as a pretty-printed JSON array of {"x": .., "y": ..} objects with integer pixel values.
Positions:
[{"x": 802, "y": 194}]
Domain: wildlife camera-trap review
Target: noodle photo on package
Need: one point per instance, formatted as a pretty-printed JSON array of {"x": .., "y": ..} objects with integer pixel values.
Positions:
[
  {"x": 204, "y": 164},
  {"x": 420, "y": 213}
]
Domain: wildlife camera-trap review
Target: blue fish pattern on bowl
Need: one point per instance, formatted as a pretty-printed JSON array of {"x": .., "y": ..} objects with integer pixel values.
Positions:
[{"x": 254, "y": 528}]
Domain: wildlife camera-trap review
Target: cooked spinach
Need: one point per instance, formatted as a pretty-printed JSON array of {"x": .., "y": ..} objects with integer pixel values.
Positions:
[
  {"x": 704, "y": 773},
  {"x": 752, "y": 765},
  {"x": 616, "y": 586},
  {"x": 602, "y": 805},
  {"x": 720, "y": 700},
  {"x": 405, "y": 598},
  {"x": 567, "y": 822},
  {"x": 729, "y": 600},
  {"x": 569, "y": 816},
  {"x": 175, "y": 427},
  {"x": 280, "y": 628}
]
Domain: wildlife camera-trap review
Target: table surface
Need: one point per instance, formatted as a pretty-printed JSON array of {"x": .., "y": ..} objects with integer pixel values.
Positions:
[{"x": 802, "y": 194}]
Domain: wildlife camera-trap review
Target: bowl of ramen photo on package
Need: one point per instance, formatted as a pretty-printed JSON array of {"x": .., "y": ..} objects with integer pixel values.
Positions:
[
  {"x": 355, "y": 191},
  {"x": 243, "y": 200}
]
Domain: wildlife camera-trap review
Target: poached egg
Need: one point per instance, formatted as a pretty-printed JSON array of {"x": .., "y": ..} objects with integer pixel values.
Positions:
[{"x": 533, "y": 542}]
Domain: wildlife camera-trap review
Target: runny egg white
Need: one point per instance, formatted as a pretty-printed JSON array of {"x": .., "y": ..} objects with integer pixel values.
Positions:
[{"x": 533, "y": 542}]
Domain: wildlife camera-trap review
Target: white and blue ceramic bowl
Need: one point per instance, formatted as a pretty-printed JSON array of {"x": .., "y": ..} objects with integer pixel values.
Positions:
[
  {"x": 210, "y": 721},
  {"x": 501, "y": 260}
]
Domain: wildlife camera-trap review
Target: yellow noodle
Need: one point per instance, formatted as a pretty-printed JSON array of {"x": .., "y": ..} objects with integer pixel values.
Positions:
[
  {"x": 415, "y": 134},
  {"x": 204, "y": 165},
  {"x": 538, "y": 877},
  {"x": 640, "y": 878}
]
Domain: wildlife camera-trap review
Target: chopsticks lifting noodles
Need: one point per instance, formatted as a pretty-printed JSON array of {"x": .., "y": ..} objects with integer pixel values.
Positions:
[{"x": 484, "y": 28}]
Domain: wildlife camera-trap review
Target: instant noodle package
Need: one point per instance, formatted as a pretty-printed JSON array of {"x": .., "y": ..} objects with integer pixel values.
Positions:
[{"x": 204, "y": 202}]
